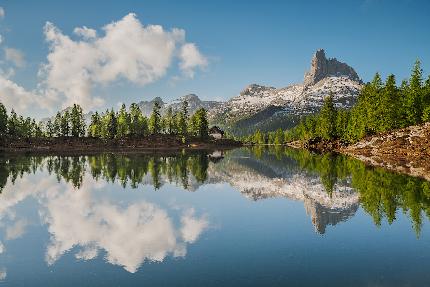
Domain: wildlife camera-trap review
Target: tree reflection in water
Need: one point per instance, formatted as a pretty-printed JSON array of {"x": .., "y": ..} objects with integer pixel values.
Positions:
[{"x": 381, "y": 193}]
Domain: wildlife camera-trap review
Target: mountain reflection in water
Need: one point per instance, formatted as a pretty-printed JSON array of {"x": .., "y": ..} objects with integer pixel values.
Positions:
[{"x": 80, "y": 216}]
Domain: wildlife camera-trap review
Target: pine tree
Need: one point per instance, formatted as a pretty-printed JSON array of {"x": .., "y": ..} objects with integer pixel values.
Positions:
[
  {"x": 3, "y": 120},
  {"x": 95, "y": 127},
  {"x": 77, "y": 122},
  {"x": 414, "y": 96},
  {"x": 123, "y": 122},
  {"x": 50, "y": 132},
  {"x": 155, "y": 119},
  {"x": 390, "y": 105},
  {"x": 199, "y": 126},
  {"x": 183, "y": 119},
  {"x": 65, "y": 124},
  {"x": 327, "y": 119},
  {"x": 13, "y": 124},
  {"x": 57, "y": 125},
  {"x": 112, "y": 125},
  {"x": 170, "y": 121},
  {"x": 138, "y": 122}
]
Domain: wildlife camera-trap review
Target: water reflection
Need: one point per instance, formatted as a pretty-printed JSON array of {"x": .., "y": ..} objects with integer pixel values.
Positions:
[{"x": 83, "y": 218}]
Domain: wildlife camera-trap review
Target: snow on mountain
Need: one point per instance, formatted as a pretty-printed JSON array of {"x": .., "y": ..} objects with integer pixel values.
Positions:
[{"x": 325, "y": 76}]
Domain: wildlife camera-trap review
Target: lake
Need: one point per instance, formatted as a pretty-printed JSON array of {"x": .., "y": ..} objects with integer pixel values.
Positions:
[{"x": 244, "y": 217}]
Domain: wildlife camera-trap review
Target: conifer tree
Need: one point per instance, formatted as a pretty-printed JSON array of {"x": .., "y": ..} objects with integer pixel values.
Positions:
[
  {"x": 50, "y": 129},
  {"x": 413, "y": 97},
  {"x": 3, "y": 120},
  {"x": 155, "y": 119},
  {"x": 183, "y": 118},
  {"x": 65, "y": 124},
  {"x": 13, "y": 124},
  {"x": 123, "y": 122},
  {"x": 95, "y": 127},
  {"x": 77, "y": 122},
  {"x": 111, "y": 125},
  {"x": 57, "y": 125},
  {"x": 327, "y": 119}
]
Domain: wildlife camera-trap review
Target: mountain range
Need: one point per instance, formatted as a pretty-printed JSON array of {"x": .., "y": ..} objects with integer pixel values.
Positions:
[{"x": 268, "y": 108}]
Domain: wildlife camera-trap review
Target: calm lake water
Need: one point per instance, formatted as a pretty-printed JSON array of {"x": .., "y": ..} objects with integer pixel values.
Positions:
[{"x": 246, "y": 217}]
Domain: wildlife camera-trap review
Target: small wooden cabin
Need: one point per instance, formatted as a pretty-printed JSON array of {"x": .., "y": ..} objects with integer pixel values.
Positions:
[{"x": 216, "y": 133}]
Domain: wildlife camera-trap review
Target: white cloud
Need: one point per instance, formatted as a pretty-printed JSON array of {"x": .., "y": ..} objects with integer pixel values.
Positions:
[
  {"x": 191, "y": 59},
  {"x": 1, "y": 39},
  {"x": 2, "y": 13},
  {"x": 15, "y": 56},
  {"x": 14, "y": 96},
  {"x": 1, "y": 247},
  {"x": 127, "y": 50},
  {"x": 85, "y": 32}
]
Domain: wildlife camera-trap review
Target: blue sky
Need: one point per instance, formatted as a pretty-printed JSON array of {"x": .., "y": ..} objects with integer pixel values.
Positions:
[{"x": 238, "y": 42}]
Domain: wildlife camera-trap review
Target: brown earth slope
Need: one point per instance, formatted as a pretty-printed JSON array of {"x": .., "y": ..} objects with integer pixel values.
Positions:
[{"x": 406, "y": 150}]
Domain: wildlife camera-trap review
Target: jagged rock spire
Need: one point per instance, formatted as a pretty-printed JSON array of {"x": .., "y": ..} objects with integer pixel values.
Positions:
[{"x": 321, "y": 67}]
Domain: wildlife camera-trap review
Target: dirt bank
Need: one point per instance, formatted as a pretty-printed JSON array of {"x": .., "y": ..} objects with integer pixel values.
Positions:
[
  {"x": 406, "y": 150},
  {"x": 149, "y": 144}
]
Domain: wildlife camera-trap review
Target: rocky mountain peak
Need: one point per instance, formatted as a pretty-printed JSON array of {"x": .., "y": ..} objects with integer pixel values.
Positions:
[
  {"x": 321, "y": 68},
  {"x": 190, "y": 98},
  {"x": 254, "y": 89}
]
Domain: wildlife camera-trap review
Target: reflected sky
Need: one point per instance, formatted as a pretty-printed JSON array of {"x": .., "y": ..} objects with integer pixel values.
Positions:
[{"x": 249, "y": 216}]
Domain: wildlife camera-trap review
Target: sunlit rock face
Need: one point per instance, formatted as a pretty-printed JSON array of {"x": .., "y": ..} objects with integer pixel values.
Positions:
[
  {"x": 321, "y": 68},
  {"x": 87, "y": 222}
]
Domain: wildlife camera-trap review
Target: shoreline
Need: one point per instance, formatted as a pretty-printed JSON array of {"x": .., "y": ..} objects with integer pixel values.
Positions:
[
  {"x": 87, "y": 145},
  {"x": 405, "y": 150}
]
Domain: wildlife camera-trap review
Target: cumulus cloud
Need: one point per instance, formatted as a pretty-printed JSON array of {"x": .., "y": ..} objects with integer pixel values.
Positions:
[
  {"x": 190, "y": 59},
  {"x": 127, "y": 50},
  {"x": 15, "y": 56},
  {"x": 85, "y": 32},
  {"x": 2, "y": 13},
  {"x": 14, "y": 96}
]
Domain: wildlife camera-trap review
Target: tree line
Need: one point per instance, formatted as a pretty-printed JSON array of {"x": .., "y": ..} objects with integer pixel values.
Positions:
[
  {"x": 381, "y": 106},
  {"x": 108, "y": 125},
  {"x": 182, "y": 169}
]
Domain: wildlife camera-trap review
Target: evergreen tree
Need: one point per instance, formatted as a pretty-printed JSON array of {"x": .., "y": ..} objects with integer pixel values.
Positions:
[
  {"x": 138, "y": 122},
  {"x": 170, "y": 121},
  {"x": 183, "y": 118},
  {"x": 13, "y": 124},
  {"x": 199, "y": 125},
  {"x": 65, "y": 124},
  {"x": 95, "y": 127},
  {"x": 327, "y": 119},
  {"x": 77, "y": 125},
  {"x": 50, "y": 132},
  {"x": 123, "y": 122},
  {"x": 3, "y": 120},
  {"x": 57, "y": 125},
  {"x": 414, "y": 96},
  {"x": 155, "y": 119},
  {"x": 112, "y": 125}
]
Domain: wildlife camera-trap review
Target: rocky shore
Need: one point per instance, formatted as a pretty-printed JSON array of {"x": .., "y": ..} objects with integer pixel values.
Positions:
[{"x": 405, "y": 150}]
